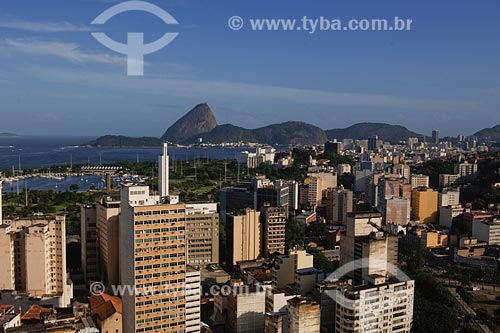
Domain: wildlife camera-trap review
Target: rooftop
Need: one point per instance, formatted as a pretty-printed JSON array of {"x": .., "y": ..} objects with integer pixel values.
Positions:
[{"x": 105, "y": 305}]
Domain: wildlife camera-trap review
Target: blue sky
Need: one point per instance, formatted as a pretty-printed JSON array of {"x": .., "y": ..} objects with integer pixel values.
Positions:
[{"x": 56, "y": 79}]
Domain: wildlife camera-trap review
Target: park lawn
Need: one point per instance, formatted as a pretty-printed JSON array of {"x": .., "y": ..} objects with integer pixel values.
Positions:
[
  {"x": 486, "y": 300},
  {"x": 205, "y": 189}
]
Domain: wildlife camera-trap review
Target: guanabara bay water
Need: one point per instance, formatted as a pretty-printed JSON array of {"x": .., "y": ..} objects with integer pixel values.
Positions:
[{"x": 30, "y": 152}]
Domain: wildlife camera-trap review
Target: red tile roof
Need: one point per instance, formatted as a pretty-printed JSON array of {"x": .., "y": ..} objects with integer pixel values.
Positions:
[{"x": 105, "y": 305}]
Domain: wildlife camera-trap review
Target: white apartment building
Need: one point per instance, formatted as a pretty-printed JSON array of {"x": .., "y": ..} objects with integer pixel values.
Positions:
[
  {"x": 419, "y": 180},
  {"x": 487, "y": 230},
  {"x": 449, "y": 197}
]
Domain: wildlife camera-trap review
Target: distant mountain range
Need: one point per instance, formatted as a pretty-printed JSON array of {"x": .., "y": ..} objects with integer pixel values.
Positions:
[
  {"x": 199, "y": 120},
  {"x": 124, "y": 141},
  {"x": 8, "y": 135},
  {"x": 385, "y": 132},
  {"x": 489, "y": 134},
  {"x": 200, "y": 124}
]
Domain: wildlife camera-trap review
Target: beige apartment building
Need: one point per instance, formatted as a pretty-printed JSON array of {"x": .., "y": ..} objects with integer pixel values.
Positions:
[
  {"x": 317, "y": 183},
  {"x": 7, "y": 273},
  {"x": 274, "y": 225},
  {"x": 304, "y": 315},
  {"x": 89, "y": 243},
  {"x": 33, "y": 256},
  {"x": 107, "y": 224},
  {"x": 100, "y": 238},
  {"x": 424, "y": 204},
  {"x": 243, "y": 234},
  {"x": 339, "y": 202},
  {"x": 202, "y": 233},
  {"x": 153, "y": 257},
  {"x": 286, "y": 265}
]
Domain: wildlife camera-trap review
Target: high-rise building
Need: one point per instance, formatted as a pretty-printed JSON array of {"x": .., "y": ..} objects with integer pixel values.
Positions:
[
  {"x": 424, "y": 204},
  {"x": 235, "y": 198},
  {"x": 202, "y": 234},
  {"x": 378, "y": 298},
  {"x": 380, "y": 307},
  {"x": 446, "y": 180},
  {"x": 163, "y": 165},
  {"x": 304, "y": 315},
  {"x": 487, "y": 230},
  {"x": 286, "y": 265},
  {"x": 7, "y": 273},
  {"x": 365, "y": 240},
  {"x": 339, "y": 202},
  {"x": 361, "y": 177},
  {"x": 274, "y": 226},
  {"x": 108, "y": 222},
  {"x": 466, "y": 171},
  {"x": 449, "y": 197},
  {"x": 394, "y": 200},
  {"x": 373, "y": 143},
  {"x": 246, "y": 310},
  {"x": 193, "y": 300},
  {"x": 243, "y": 236},
  {"x": 419, "y": 180},
  {"x": 435, "y": 137},
  {"x": 255, "y": 195},
  {"x": 1, "y": 203},
  {"x": 317, "y": 183},
  {"x": 274, "y": 322},
  {"x": 403, "y": 171},
  {"x": 447, "y": 214},
  {"x": 34, "y": 259},
  {"x": 397, "y": 210},
  {"x": 89, "y": 243},
  {"x": 293, "y": 196},
  {"x": 334, "y": 147},
  {"x": 153, "y": 256},
  {"x": 274, "y": 194}
]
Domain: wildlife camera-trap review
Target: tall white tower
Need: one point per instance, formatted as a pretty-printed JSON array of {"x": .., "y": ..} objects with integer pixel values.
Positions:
[{"x": 163, "y": 171}]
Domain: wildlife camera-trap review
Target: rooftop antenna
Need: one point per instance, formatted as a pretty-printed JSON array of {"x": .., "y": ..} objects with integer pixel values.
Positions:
[
  {"x": 238, "y": 171},
  {"x": 225, "y": 170}
]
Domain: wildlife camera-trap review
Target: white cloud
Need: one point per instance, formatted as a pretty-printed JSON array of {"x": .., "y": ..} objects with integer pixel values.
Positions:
[
  {"x": 67, "y": 51},
  {"x": 47, "y": 27},
  {"x": 188, "y": 88}
]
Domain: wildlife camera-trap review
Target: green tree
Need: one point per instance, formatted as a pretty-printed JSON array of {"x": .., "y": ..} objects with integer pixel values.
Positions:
[
  {"x": 74, "y": 187},
  {"x": 294, "y": 234}
]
